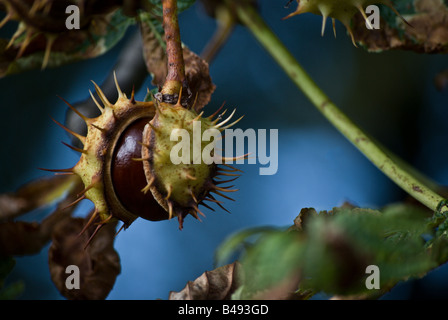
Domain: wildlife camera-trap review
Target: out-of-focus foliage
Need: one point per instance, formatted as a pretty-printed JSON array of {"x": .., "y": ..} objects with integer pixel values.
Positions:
[
  {"x": 330, "y": 251},
  {"x": 35, "y": 45},
  {"x": 98, "y": 262},
  {"x": 13, "y": 290},
  {"x": 21, "y": 237},
  {"x": 427, "y": 31}
]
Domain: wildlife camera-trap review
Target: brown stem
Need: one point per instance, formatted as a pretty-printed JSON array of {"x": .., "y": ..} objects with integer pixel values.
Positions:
[{"x": 176, "y": 66}]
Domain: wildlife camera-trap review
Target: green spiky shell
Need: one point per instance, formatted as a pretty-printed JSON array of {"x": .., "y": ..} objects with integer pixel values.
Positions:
[{"x": 179, "y": 188}]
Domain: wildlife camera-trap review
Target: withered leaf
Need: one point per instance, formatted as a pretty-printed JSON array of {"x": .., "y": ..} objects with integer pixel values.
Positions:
[
  {"x": 196, "y": 69},
  {"x": 21, "y": 238},
  {"x": 98, "y": 263},
  {"x": 427, "y": 32},
  {"x": 35, "y": 194},
  {"x": 218, "y": 284},
  {"x": 198, "y": 78},
  {"x": 153, "y": 51}
]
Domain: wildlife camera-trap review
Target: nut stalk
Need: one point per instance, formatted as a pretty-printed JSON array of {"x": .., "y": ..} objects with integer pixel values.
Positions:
[{"x": 176, "y": 68}]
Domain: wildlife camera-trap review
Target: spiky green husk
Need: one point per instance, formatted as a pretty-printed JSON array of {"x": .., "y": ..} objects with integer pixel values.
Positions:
[
  {"x": 179, "y": 188},
  {"x": 342, "y": 10},
  {"x": 178, "y": 179}
]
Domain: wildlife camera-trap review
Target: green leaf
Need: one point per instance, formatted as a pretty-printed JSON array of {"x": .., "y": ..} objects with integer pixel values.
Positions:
[
  {"x": 274, "y": 259},
  {"x": 339, "y": 249},
  {"x": 331, "y": 251},
  {"x": 237, "y": 241}
]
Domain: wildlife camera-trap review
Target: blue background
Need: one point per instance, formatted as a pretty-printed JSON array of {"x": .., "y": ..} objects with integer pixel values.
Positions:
[{"x": 390, "y": 95}]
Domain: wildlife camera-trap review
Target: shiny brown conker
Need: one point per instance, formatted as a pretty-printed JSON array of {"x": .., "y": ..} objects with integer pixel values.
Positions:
[{"x": 128, "y": 176}]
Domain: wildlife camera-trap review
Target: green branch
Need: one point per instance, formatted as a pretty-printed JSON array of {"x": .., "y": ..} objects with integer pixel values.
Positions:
[{"x": 387, "y": 164}]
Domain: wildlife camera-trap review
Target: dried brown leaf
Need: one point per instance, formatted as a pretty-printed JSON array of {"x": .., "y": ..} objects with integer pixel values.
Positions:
[
  {"x": 154, "y": 55},
  {"x": 198, "y": 78},
  {"x": 21, "y": 238},
  {"x": 427, "y": 32},
  {"x": 218, "y": 284},
  {"x": 196, "y": 69},
  {"x": 98, "y": 263},
  {"x": 35, "y": 194}
]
